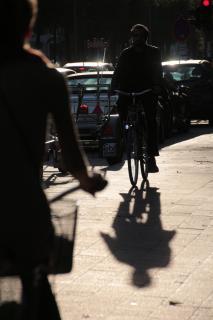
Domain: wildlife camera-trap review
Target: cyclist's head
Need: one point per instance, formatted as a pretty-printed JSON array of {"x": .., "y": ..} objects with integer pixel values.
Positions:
[
  {"x": 139, "y": 34},
  {"x": 17, "y": 19}
]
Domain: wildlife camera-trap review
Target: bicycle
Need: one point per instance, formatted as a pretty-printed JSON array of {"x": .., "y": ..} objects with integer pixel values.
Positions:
[{"x": 135, "y": 128}]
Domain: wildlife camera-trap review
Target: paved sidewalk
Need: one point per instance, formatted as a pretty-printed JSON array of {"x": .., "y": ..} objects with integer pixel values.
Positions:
[{"x": 146, "y": 253}]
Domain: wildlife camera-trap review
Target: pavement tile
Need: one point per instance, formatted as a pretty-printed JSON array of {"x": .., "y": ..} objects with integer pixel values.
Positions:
[
  {"x": 173, "y": 311},
  {"x": 144, "y": 254},
  {"x": 202, "y": 313},
  {"x": 196, "y": 222},
  {"x": 193, "y": 293}
]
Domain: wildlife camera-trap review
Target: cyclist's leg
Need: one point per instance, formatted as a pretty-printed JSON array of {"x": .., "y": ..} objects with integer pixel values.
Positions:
[{"x": 150, "y": 106}]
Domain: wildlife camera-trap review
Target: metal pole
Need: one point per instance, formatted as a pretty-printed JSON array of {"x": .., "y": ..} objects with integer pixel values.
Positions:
[
  {"x": 208, "y": 44},
  {"x": 104, "y": 55},
  {"x": 98, "y": 86},
  {"x": 75, "y": 28},
  {"x": 150, "y": 22},
  {"x": 55, "y": 40}
]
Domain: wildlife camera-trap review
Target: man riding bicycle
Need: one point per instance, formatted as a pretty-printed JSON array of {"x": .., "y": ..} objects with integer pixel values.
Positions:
[{"x": 139, "y": 68}]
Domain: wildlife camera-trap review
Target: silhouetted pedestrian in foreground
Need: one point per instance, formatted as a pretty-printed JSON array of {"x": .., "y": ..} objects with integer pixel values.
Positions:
[{"x": 30, "y": 89}]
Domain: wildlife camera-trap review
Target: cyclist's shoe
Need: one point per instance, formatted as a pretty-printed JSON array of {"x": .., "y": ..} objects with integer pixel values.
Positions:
[{"x": 152, "y": 166}]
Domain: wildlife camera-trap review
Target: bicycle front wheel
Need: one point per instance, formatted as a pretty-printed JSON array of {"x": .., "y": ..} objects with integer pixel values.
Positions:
[
  {"x": 143, "y": 151},
  {"x": 132, "y": 155},
  {"x": 144, "y": 165}
]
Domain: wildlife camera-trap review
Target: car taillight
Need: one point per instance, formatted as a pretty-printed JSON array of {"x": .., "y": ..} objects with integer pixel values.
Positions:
[
  {"x": 107, "y": 131},
  {"x": 97, "y": 110},
  {"x": 83, "y": 108}
]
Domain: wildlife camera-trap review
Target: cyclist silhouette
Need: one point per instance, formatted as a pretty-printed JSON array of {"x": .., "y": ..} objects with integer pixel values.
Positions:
[{"x": 139, "y": 68}]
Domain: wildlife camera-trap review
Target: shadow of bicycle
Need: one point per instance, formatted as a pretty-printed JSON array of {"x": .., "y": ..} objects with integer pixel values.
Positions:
[{"x": 140, "y": 240}]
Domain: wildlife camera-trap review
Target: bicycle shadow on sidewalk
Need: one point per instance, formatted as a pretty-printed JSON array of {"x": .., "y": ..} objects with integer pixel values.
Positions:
[{"x": 140, "y": 240}]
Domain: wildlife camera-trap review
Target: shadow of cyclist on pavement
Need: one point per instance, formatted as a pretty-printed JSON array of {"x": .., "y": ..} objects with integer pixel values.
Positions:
[{"x": 140, "y": 240}]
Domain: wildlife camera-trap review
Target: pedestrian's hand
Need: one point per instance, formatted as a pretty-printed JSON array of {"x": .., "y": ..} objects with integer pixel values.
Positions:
[{"x": 93, "y": 183}]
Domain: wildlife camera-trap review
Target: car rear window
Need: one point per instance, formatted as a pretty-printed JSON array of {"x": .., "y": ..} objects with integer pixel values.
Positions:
[
  {"x": 183, "y": 72},
  {"x": 78, "y": 69},
  {"x": 84, "y": 69},
  {"x": 90, "y": 83}
]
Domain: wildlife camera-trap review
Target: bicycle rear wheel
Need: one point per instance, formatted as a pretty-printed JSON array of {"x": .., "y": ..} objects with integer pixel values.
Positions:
[
  {"x": 143, "y": 149},
  {"x": 132, "y": 155}
]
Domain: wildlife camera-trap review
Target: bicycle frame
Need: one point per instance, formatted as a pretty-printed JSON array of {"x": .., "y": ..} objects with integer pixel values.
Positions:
[
  {"x": 135, "y": 110},
  {"x": 135, "y": 131}
]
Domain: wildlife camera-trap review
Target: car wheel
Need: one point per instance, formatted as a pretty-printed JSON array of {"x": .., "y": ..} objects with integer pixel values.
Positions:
[
  {"x": 115, "y": 160},
  {"x": 211, "y": 122},
  {"x": 62, "y": 170},
  {"x": 118, "y": 158}
]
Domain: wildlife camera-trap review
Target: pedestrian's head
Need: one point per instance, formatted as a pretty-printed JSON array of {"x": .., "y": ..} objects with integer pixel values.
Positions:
[
  {"x": 139, "y": 34},
  {"x": 16, "y": 22}
]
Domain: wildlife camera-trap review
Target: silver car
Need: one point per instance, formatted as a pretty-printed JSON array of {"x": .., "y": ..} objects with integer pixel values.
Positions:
[{"x": 95, "y": 112}]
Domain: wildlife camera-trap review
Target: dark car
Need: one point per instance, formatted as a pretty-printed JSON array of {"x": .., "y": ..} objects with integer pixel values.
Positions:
[
  {"x": 175, "y": 103},
  {"x": 195, "y": 79}
]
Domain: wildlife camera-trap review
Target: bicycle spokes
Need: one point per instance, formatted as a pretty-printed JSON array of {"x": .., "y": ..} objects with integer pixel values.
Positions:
[
  {"x": 144, "y": 165},
  {"x": 132, "y": 156}
]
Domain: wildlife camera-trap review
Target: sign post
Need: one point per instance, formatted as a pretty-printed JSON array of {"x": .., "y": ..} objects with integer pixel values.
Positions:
[
  {"x": 181, "y": 29},
  {"x": 97, "y": 43}
]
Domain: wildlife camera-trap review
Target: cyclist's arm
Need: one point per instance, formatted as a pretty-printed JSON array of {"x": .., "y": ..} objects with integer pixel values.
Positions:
[{"x": 118, "y": 74}]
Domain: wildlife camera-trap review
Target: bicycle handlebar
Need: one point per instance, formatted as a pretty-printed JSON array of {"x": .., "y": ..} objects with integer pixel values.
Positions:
[
  {"x": 133, "y": 94},
  {"x": 100, "y": 184}
]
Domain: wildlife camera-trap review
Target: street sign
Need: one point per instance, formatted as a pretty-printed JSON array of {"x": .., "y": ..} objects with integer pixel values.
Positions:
[
  {"x": 181, "y": 29},
  {"x": 97, "y": 43},
  {"x": 182, "y": 50}
]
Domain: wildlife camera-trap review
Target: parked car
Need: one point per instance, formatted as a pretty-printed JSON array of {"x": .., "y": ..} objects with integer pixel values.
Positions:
[
  {"x": 89, "y": 66},
  {"x": 176, "y": 109},
  {"x": 65, "y": 71},
  {"x": 195, "y": 79},
  {"x": 94, "y": 111}
]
